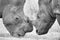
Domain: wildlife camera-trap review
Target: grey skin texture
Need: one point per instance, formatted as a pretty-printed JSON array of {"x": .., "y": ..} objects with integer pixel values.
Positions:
[
  {"x": 46, "y": 15},
  {"x": 3, "y": 3},
  {"x": 15, "y": 21},
  {"x": 18, "y": 24}
]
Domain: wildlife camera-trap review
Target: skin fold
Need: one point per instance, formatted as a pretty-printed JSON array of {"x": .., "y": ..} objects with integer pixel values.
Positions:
[
  {"x": 14, "y": 19},
  {"x": 44, "y": 20},
  {"x": 18, "y": 19},
  {"x": 46, "y": 15}
]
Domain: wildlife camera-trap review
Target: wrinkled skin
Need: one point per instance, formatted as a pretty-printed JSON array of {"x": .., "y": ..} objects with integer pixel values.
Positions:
[
  {"x": 19, "y": 26},
  {"x": 14, "y": 19},
  {"x": 46, "y": 16},
  {"x": 2, "y": 5}
]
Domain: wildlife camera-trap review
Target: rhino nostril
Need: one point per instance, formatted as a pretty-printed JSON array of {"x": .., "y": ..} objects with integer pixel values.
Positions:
[
  {"x": 41, "y": 32},
  {"x": 17, "y": 18},
  {"x": 18, "y": 35},
  {"x": 36, "y": 31}
]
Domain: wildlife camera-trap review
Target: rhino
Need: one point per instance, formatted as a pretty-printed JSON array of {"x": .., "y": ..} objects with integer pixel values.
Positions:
[
  {"x": 14, "y": 19},
  {"x": 19, "y": 16}
]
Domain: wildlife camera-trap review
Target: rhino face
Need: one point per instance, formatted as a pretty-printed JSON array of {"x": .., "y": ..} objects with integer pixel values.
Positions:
[
  {"x": 45, "y": 18},
  {"x": 14, "y": 19}
]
